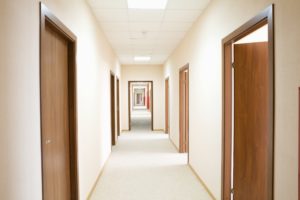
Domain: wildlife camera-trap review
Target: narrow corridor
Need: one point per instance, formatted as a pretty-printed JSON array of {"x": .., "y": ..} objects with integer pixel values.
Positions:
[
  {"x": 140, "y": 120},
  {"x": 146, "y": 166}
]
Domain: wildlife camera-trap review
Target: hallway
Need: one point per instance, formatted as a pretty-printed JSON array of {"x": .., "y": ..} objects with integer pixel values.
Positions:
[
  {"x": 141, "y": 120},
  {"x": 98, "y": 97},
  {"x": 145, "y": 165}
]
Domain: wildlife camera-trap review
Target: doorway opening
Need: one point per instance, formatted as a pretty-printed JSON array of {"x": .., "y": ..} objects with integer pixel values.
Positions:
[
  {"x": 248, "y": 118},
  {"x": 167, "y": 107},
  {"x": 113, "y": 109},
  {"x": 58, "y": 108},
  {"x": 140, "y": 105},
  {"x": 184, "y": 109}
]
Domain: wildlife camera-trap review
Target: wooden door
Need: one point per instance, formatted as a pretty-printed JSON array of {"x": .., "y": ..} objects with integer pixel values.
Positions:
[
  {"x": 112, "y": 109},
  {"x": 251, "y": 122},
  {"x": 167, "y": 125},
  {"x": 184, "y": 110},
  {"x": 55, "y": 116},
  {"x": 118, "y": 107}
]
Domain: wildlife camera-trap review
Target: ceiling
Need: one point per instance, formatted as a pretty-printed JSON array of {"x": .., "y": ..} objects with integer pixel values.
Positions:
[{"x": 136, "y": 32}]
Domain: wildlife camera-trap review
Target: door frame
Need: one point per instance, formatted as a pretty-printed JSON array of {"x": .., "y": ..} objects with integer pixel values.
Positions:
[
  {"x": 118, "y": 106},
  {"x": 265, "y": 17},
  {"x": 181, "y": 134},
  {"x": 299, "y": 146},
  {"x": 167, "y": 106},
  {"x": 129, "y": 103},
  {"x": 112, "y": 81},
  {"x": 47, "y": 17}
]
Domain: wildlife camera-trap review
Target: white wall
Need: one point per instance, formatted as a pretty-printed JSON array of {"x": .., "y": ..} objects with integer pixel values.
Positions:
[
  {"x": 143, "y": 73},
  {"x": 202, "y": 49},
  {"x": 20, "y": 168}
]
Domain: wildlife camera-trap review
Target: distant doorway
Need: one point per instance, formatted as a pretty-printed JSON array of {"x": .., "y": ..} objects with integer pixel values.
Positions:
[
  {"x": 184, "y": 109},
  {"x": 140, "y": 105}
]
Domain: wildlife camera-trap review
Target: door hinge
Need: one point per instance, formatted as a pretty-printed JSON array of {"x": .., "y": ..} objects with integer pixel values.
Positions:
[
  {"x": 232, "y": 191},
  {"x": 233, "y": 65}
]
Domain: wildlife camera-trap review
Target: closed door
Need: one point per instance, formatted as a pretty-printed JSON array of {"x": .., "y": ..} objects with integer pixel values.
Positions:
[
  {"x": 112, "y": 109},
  {"x": 184, "y": 110},
  {"x": 55, "y": 116},
  {"x": 118, "y": 107},
  {"x": 251, "y": 178},
  {"x": 167, "y": 124}
]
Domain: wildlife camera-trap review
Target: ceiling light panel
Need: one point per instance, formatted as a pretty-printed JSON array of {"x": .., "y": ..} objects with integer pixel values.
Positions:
[{"x": 147, "y": 4}]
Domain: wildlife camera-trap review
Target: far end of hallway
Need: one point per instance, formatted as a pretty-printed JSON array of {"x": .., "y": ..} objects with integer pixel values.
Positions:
[{"x": 146, "y": 166}]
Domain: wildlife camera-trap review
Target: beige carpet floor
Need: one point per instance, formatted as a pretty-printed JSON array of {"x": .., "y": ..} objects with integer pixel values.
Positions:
[{"x": 146, "y": 166}]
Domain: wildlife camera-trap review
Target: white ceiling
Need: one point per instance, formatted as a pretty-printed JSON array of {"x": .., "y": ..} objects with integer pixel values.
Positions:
[{"x": 155, "y": 33}]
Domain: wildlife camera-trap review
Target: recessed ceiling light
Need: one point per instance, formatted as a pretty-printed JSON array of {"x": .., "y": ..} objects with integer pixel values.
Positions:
[
  {"x": 147, "y": 4},
  {"x": 142, "y": 58}
]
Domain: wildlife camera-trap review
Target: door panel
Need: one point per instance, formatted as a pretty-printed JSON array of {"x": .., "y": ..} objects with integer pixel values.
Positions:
[
  {"x": 112, "y": 109},
  {"x": 186, "y": 74},
  {"x": 251, "y": 118},
  {"x": 55, "y": 116},
  {"x": 118, "y": 107},
  {"x": 167, "y": 125},
  {"x": 184, "y": 110}
]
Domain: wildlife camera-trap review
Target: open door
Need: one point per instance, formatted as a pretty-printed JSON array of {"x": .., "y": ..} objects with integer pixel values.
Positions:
[
  {"x": 167, "y": 120},
  {"x": 184, "y": 109},
  {"x": 249, "y": 110},
  {"x": 251, "y": 125}
]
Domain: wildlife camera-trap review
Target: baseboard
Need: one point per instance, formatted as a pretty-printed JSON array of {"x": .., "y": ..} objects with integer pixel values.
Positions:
[
  {"x": 173, "y": 144},
  {"x": 160, "y": 130},
  {"x": 203, "y": 183},
  {"x": 97, "y": 180}
]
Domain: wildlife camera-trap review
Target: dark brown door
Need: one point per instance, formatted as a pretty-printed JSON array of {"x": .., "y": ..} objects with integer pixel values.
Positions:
[
  {"x": 118, "y": 107},
  {"x": 184, "y": 110},
  {"x": 251, "y": 122},
  {"x": 55, "y": 116},
  {"x": 167, "y": 125},
  {"x": 112, "y": 109}
]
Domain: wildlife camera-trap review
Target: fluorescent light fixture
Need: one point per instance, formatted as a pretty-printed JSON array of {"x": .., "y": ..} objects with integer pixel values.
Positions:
[
  {"x": 147, "y": 4},
  {"x": 142, "y": 58}
]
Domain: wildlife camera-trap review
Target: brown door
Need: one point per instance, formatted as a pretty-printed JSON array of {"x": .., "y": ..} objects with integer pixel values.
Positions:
[
  {"x": 118, "y": 107},
  {"x": 184, "y": 110},
  {"x": 55, "y": 116},
  {"x": 167, "y": 125},
  {"x": 112, "y": 109},
  {"x": 251, "y": 122}
]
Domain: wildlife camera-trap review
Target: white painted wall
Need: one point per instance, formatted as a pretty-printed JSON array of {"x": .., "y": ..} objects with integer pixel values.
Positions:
[
  {"x": 144, "y": 73},
  {"x": 202, "y": 49},
  {"x": 20, "y": 168}
]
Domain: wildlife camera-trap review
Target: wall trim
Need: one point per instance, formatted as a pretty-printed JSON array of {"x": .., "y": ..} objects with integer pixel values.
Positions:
[
  {"x": 202, "y": 182},
  {"x": 98, "y": 178}
]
